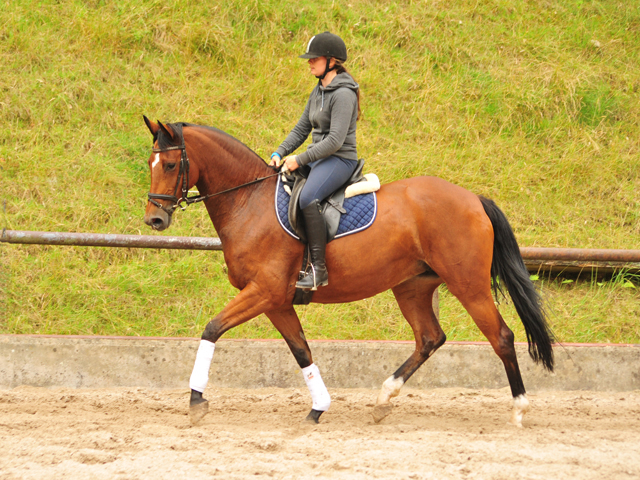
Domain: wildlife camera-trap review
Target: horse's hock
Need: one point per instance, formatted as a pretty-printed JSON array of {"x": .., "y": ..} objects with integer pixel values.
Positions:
[{"x": 104, "y": 362}]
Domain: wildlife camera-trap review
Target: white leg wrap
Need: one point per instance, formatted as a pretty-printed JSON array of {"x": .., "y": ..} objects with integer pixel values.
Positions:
[
  {"x": 200, "y": 375},
  {"x": 319, "y": 394},
  {"x": 390, "y": 388}
]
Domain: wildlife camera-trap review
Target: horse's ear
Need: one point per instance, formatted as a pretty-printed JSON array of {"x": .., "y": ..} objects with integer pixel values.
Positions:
[
  {"x": 153, "y": 127},
  {"x": 166, "y": 130}
]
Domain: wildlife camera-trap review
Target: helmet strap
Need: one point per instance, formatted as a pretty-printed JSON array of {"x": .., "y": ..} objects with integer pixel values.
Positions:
[{"x": 327, "y": 69}]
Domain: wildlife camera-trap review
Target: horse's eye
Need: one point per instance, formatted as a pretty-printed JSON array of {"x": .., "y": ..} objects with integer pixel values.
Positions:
[{"x": 170, "y": 166}]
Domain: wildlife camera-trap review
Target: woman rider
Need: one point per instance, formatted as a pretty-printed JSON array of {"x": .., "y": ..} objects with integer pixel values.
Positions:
[{"x": 330, "y": 116}]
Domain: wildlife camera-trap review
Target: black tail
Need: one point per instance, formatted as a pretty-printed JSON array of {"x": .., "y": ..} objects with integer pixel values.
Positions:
[{"x": 509, "y": 269}]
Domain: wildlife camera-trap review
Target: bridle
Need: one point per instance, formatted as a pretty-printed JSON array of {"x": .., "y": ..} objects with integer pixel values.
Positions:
[{"x": 183, "y": 174}]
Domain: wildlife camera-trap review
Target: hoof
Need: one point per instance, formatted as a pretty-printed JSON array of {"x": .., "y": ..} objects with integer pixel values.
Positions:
[
  {"x": 381, "y": 411},
  {"x": 313, "y": 417},
  {"x": 516, "y": 419},
  {"x": 198, "y": 411}
]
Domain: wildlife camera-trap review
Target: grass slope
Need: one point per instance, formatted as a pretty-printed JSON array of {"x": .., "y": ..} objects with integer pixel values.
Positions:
[{"x": 533, "y": 104}]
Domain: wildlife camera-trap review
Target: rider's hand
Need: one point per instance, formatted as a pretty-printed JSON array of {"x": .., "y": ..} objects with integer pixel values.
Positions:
[
  {"x": 291, "y": 163},
  {"x": 275, "y": 160}
]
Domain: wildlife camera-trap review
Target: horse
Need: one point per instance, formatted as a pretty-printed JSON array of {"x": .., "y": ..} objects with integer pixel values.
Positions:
[{"x": 427, "y": 232}]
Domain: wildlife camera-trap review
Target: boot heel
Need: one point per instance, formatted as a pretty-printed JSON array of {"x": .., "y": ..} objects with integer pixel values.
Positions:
[{"x": 319, "y": 285}]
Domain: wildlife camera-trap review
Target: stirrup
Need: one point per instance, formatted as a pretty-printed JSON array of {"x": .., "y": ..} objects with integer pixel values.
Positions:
[{"x": 315, "y": 283}]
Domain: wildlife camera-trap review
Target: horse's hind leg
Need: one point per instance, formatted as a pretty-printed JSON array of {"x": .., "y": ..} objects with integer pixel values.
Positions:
[
  {"x": 485, "y": 314},
  {"x": 415, "y": 298},
  {"x": 285, "y": 319}
]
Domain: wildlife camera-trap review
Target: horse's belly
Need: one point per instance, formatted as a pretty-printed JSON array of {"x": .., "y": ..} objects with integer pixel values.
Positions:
[
  {"x": 358, "y": 287},
  {"x": 356, "y": 276}
]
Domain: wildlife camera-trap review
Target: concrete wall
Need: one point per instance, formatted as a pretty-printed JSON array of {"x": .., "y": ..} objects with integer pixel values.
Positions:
[{"x": 101, "y": 362}]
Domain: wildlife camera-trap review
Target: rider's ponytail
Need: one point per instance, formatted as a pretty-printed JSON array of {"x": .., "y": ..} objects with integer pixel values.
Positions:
[{"x": 340, "y": 68}]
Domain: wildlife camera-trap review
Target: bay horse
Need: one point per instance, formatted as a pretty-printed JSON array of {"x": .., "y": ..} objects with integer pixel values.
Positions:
[{"x": 427, "y": 232}]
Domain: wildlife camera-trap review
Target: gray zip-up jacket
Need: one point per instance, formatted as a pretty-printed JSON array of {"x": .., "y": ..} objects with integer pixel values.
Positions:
[{"x": 330, "y": 116}]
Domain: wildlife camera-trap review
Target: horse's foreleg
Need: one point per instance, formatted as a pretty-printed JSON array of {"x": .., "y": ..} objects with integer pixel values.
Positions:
[
  {"x": 286, "y": 321},
  {"x": 415, "y": 298},
  {"x": 249, "y": 303}
]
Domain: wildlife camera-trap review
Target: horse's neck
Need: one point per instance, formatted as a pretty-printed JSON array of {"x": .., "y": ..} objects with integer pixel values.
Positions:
[{"x": 223, "y": 164}]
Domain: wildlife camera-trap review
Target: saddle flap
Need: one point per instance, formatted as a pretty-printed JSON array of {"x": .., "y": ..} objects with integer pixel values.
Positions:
[
  {"x": 357, "y": 175},
  {"x": 296, "y": 181},
  {"x": 332, "y": 208}
]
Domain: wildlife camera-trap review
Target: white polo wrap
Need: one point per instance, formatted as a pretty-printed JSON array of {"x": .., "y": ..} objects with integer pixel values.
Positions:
[
  {"x": 319, "y": 394},
  {"x": 200, "y": 374}
]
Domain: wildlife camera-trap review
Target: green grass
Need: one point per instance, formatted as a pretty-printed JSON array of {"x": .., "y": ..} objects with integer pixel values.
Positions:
[{"x": 533, "y": 104}]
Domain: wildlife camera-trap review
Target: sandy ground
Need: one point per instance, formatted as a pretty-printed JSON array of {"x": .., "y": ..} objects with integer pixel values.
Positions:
[{"x": 439, "y": 434}]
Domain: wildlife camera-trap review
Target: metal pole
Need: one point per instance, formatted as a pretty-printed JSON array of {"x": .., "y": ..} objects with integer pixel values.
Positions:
[
  {"x": 110, "y": 240},
  {"x": 554, "y": 259},
  {"x": 580, "y": 254}
]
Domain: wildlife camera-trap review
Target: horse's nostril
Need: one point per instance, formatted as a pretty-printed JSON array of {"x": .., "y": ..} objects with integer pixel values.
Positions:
[{"x": 157, "y": 222}]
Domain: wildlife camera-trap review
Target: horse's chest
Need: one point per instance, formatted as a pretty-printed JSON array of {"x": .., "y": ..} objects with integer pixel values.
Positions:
[
  {"x": 242, "y": 267},
  {"x": 237, "y": 276}
]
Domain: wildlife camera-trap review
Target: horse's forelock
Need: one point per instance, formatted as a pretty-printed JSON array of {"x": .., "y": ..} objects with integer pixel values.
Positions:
[{"x": 165, "y": 141}]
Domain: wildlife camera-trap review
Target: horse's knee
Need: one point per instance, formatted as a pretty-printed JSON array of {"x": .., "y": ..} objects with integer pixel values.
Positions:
[
  {"x": 302, "y": 355},
  {"x": 213, "y": 331},
  {"x": 430, "y": 345}
]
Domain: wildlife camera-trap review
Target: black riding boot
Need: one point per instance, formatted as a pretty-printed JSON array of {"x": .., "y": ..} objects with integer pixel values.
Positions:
[{"x": 316, "y": 229}]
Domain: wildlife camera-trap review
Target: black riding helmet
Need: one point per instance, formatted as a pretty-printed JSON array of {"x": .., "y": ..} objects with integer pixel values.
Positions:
[{"x": 328, "y": 45}]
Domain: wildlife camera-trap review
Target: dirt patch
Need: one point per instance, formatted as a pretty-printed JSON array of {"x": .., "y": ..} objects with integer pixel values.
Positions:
[{"x": 439, "y": 434}]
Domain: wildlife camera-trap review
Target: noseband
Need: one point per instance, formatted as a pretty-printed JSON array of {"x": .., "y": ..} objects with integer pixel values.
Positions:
[{"x": 183, "y": 173}]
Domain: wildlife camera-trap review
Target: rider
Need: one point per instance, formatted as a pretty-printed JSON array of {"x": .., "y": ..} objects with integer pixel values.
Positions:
[{"x": 330, "y": 116}]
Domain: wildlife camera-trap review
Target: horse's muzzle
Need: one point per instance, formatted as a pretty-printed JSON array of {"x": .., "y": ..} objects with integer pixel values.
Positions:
[{"x": 158, "y": 220}]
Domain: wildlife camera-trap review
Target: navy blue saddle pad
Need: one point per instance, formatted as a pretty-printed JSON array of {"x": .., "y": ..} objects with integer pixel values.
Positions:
[{"x": 361, "y": 212}]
